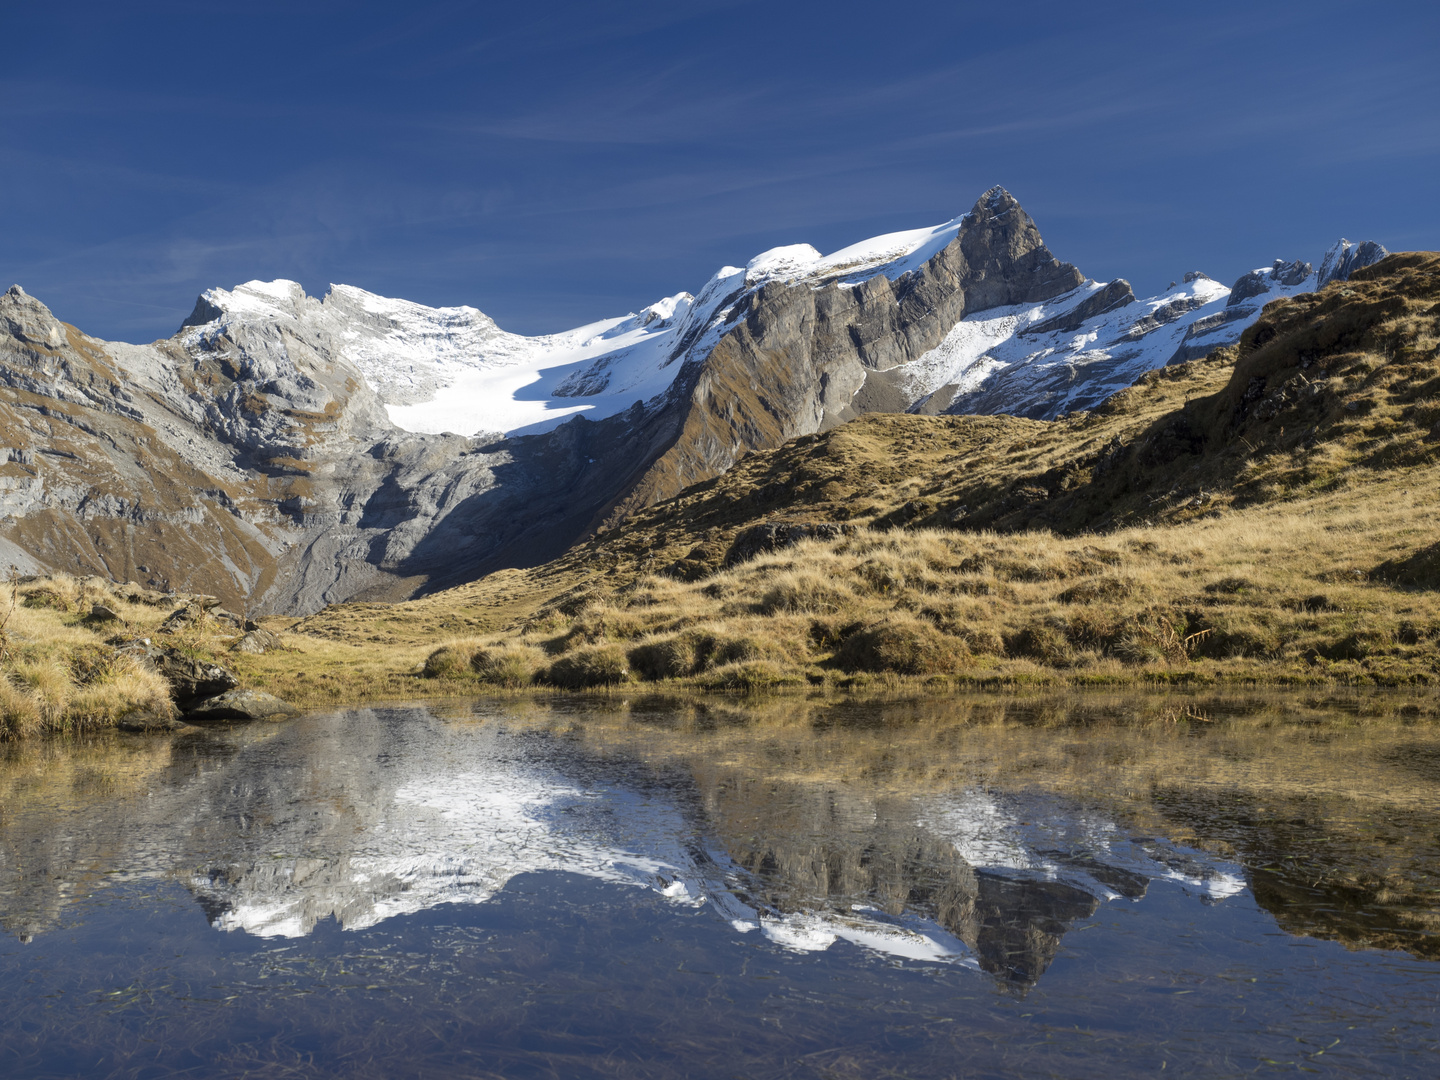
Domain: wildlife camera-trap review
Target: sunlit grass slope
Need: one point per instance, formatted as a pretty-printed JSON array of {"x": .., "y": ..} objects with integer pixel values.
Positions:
[{"x": 1268, "y": 513}]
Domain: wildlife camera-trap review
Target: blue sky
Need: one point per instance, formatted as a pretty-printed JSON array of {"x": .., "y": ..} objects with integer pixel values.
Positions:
[{"x": 553, "y": 163}]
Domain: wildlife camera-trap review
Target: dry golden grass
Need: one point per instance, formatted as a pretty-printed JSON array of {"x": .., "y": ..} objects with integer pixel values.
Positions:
[
  {"x": 1266, "y": 514},
  {"x": 1272, "y": 594},
  {"x": 63, "y": 671},
  {"x": 58, "y": 671}
]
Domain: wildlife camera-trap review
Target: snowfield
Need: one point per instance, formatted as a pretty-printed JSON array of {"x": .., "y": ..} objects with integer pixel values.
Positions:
[{"x": 454, "y": 370}]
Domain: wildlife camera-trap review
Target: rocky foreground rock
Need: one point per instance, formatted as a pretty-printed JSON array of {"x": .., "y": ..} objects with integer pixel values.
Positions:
[{"x": 240, "y": 705}]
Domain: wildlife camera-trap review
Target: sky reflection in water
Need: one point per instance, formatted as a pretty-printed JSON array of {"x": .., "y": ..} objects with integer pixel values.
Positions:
[{"x": 521, "y": 887}]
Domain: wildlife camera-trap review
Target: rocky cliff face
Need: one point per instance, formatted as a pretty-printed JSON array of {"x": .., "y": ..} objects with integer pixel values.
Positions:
[
  {"x": 285, "y": 452},
  {"x": 809, "y": 353}
]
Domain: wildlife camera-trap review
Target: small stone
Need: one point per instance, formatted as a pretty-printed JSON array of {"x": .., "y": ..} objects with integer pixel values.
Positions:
[
  {"x": 101, "y": 613},
  {"x": 241, "y": 705},
  {"x": 256, "y": 642}
]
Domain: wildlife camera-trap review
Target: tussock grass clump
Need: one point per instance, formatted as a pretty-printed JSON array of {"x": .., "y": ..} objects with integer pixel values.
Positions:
[
  {"x": 502, "y": 664},
  {"x": 1097, "y": 590},
  {"x": 1044, "y": 641},
  {"x": 126, "y": 686},
  {"x": 19, "y": 712},
  {"x": 904, "y": 645},
  {"x": 805, "y": 592},
  {"x": 587, "y": 667},
  {"x": 507, "y": 666},
  {"x": 452, "y": 660},
  {"x": 671, "y": 656},
  {"x": 598, "y": 623},
  {"x": 746, "y": 644},
  {"x": 751, "y": 676},
  {"x": 48, "y": 685}
]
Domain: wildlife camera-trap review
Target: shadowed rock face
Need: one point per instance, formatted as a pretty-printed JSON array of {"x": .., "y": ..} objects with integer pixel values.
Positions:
[
  {"x": 246, "y": 457},
  {"x": 808, "y": 355}
]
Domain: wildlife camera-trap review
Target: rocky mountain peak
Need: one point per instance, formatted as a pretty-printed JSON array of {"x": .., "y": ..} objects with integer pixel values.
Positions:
[
  {"x": 1006, "y": 261},
  {"x": 1344, "y": 258},
  {"x": 27, "y": 319},
  {"x": 204, "y": 312},
  {"x": 996, "y": 200}
]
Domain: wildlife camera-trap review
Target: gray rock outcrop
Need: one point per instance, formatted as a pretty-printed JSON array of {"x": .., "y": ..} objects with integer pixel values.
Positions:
[
  {"x": 1345, "y": 258},
  {"x": 240, "y": 705},
  {"x": 256, "y": 642},
  {"x": 1114, "y": 295},
  {"x": 191, "y": 680}
]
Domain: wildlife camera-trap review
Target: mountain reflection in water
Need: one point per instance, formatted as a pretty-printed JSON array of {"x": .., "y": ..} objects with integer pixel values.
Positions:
[
  {"x": 1088, "y": 886},
  {"x": 366, "y": 815}
]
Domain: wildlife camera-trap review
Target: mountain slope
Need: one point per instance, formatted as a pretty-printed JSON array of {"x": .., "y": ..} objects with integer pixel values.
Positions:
[
  {"x": 1265, "y": 513},
  {"x": 286, "y": 452}
]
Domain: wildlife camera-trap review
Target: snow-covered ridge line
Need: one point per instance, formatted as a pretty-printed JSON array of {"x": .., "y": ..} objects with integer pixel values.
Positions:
[
  {"x": 454, "y": 370},
  {"x": 1029, "y": 360}
]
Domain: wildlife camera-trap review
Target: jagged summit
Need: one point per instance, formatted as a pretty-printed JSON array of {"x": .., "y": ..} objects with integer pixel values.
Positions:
[{"x": 1345, "y": 258}]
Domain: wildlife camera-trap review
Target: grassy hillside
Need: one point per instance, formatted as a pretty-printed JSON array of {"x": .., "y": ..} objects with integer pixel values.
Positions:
[{"x": 1267, "y": 514}]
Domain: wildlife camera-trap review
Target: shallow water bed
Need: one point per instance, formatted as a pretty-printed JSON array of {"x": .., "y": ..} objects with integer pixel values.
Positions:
[{"x": 1083, "y": 887}]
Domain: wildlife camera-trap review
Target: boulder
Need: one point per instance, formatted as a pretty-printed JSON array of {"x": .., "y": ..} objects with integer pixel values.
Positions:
[
  {"x": 241, "y": 705},
  {"x": 191, "y": 679},
  {"x": 182, "y": 618},
  {"x": 102, "y": 613}
]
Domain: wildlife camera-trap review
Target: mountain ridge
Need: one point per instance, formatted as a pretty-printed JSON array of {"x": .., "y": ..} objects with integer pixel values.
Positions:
[{"x": 261, "y": 453}]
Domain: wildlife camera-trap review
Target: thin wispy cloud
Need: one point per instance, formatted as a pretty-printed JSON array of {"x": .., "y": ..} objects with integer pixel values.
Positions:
[{"x": 546, "y": 161}]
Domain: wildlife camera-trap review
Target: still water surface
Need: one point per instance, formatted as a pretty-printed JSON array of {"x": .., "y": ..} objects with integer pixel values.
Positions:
[{"x": 1084, "y": 887}]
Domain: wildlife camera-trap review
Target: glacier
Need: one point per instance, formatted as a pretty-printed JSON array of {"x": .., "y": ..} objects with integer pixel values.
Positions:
[{"x": 453, "y": 370}]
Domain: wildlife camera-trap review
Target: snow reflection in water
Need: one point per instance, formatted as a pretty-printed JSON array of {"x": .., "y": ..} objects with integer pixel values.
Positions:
[{"x": 461, "y": 810}]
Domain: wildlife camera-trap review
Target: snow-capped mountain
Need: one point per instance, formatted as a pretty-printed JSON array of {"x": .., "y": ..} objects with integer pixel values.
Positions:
[
  {"x": 286, "y": 451},
  {"x": 453, "y": 370}
]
